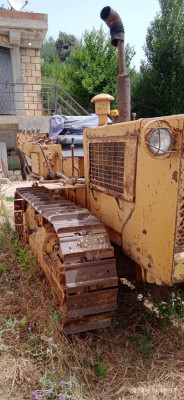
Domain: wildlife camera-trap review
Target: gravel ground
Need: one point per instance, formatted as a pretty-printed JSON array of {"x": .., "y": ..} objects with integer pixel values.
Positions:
[
  {"x": 7, "y": 192},
  {"x": 8, "y": 189}
]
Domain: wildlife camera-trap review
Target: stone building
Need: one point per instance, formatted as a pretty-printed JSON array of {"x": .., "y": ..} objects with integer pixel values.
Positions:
[{"x": 21, "y": 36}]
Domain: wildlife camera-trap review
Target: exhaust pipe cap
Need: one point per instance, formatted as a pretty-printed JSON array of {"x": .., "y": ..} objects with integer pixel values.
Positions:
[{"x": 114, "y": 22}]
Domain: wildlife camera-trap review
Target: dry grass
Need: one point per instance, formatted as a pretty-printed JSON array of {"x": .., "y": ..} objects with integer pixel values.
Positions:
[{"x": 139, "y": 357}]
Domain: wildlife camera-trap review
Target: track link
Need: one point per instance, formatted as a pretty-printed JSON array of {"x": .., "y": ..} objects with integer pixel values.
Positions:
[{"x": 75, "y": 253}]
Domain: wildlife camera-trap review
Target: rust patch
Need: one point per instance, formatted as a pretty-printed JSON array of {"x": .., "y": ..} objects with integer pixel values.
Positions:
[
  {"x": 150, "y": 258},
  {"x": 138, "y": 249},
  {"x": 87, "y": 269},
  {"x": 129, "y": 184},
  {"x": 144, "y": 232},
  {"x": 175, "y": 176}
]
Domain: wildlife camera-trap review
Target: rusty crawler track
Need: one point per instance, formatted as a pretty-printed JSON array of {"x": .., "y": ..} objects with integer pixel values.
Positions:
[{"x": 75, "y": 253}]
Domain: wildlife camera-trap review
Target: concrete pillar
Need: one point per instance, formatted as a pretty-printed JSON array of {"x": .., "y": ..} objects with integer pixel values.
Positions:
[{"x": 3, "y": 161}]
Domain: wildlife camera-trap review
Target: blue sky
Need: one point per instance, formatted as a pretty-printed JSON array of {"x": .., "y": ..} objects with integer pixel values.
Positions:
[{"x": 74, "y": 16}]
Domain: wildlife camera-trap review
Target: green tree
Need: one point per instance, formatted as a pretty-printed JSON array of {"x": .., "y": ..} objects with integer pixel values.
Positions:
[
  {"x": 159, "y": 88},
  {"x": 65, "y": 44},
  {"x": 48, "y": 49},
  {"x": 93, "y": 67}
]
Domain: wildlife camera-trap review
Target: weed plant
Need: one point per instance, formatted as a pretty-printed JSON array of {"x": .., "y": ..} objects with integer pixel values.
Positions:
[
  {"x": 3, "y": 211},
  {"x": 134, "y": 359}
]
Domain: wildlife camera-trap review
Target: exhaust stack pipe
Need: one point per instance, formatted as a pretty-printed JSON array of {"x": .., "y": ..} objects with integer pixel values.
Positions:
[{"x": 115, "y": 24}]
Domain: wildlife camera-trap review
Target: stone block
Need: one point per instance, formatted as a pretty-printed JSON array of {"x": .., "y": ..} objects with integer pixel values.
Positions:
[
  {"x": 28, "y": 87},
  {"x": 30, "y": 52},
  {"x": 30, "y": 113},
  {"x": 36, "y": 74},
  {"x": 35, "y": 60},
  {"x": 31, "y": 80},
  {"x": 4, "y": 180},
  {"x": 33, "y": 106},
  {"x": 17, "y": 172},
  {"x": 27, "y": 72},
  {"x": 37, "y": 66},
  {"x": 30, "y": 66},
  {"x": 13, "y": 178},
  {"x": 26, "y": 59}
]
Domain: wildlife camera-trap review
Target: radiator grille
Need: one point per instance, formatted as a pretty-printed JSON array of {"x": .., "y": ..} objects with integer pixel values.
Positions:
[{"x": 106, "y": 165}]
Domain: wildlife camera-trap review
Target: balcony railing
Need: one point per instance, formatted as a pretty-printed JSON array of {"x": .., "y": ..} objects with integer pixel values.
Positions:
[{"x": 37, "y": 100}]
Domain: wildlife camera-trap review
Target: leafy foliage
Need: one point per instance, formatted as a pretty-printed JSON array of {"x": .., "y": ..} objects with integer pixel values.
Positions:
[
  {"x": 100, "y": 368},
  {"x": 159, "y": 89},
  {"x": 65, "y": 44},
  {"x": 166, "y": 311},
  {"x": 23, "y": 256},
  {"x": 48, "y": 50},
  {"x": 93, "y": 67}
]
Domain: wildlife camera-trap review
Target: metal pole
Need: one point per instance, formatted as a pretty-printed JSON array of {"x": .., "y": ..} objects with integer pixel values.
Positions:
[
  {"x": 55, "y": 100},
  {"x": 121, "y": 54}
]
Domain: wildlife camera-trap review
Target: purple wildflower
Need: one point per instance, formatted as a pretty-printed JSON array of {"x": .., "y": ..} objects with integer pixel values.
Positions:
[
  {"x": 50, "y": 340},
  {"x": 62, "y": 383},
  {"x": 70, "y": 385},
  {"x": 34, "y": 396},
  {"x": 62, "y": 398},
  {"x": 29, "y": 328}
]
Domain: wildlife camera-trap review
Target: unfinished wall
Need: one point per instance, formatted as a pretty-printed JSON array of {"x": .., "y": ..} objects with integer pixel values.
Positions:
[
  {"x": 4, "y": 39},
  {"x": 31, "y": 78},
  {"x": 22, "y": 33}
]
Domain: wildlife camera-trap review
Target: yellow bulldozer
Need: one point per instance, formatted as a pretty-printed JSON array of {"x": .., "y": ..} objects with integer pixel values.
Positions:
[{"x": 127, "y": 188}]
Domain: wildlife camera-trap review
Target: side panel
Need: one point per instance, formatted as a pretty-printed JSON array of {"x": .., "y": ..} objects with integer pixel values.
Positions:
[
  {"x": 149, "y": 235},
  {"x": 178, "y": 261},
  {"x": 144, "y": 212}
]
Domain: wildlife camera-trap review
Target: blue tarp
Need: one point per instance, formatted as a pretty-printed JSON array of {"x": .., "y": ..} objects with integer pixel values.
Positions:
[{"x": 74, "y": 124}]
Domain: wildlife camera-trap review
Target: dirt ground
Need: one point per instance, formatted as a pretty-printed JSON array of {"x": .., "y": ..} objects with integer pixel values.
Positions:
[
  {"x": 9, "y": 188},
  {"x": 140, "y": 357},
  {"x": 7, "y": 192}
]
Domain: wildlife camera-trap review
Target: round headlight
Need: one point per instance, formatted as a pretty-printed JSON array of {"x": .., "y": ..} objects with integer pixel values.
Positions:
[{"x": 159, "y": 141}]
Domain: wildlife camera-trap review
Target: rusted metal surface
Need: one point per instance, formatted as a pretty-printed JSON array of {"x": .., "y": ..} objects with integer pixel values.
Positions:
[
  {"x": 74, "y": 251},
  {"x": 46, "y": 158},
  {"x": 179, "y": 235},
  {"x": 148, "y": 214},
  {"x": 115, "y": 24},
  {"x": 123, "y": 85},
  {"x": 178, "y": 269},
  {"x": 102, "y": 107},
  {"x": 91, "y": 303},
  {"x": 87, "y": 323}
]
